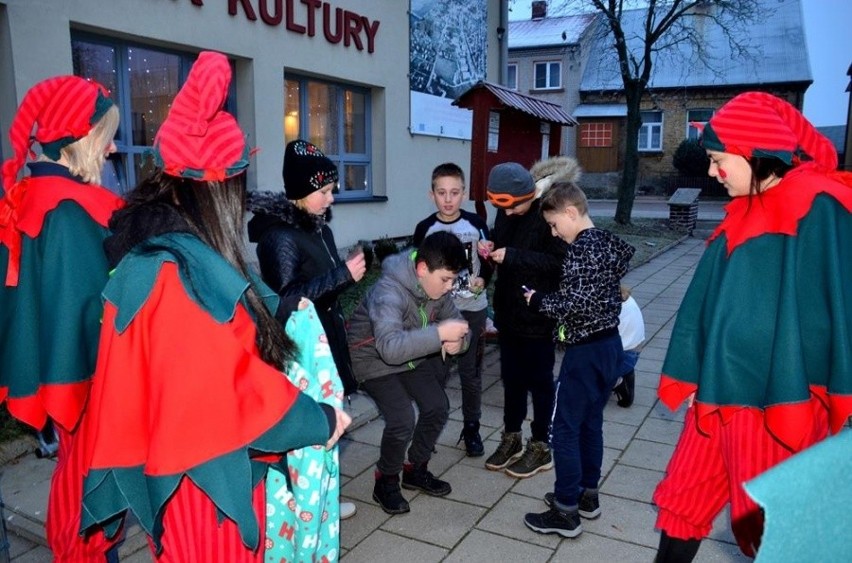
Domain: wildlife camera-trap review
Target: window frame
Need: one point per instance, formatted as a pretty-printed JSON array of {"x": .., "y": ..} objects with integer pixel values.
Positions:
[
  {"x": 509, "y": 68},
  {"x": 341, "y": 159},
  {"x": 548, "y": 75},
  {"x": 691, "y": 132},
  {"x": 650, "y": 126},
  {"x": 125, "y": 148}
]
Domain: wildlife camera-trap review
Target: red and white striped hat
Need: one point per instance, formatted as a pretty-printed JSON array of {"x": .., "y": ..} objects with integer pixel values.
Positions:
[{"x": 198, "y": 139}]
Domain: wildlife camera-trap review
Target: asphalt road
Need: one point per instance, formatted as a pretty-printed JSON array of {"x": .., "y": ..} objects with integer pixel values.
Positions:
[{"x": 656, "y": 208}]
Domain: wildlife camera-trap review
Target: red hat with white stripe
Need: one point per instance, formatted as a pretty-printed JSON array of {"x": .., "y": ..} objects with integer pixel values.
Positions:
[{"x": 198, "y": 139}]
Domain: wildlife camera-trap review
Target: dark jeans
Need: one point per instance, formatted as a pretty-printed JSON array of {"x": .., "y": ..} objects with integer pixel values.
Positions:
[
  {"x": 470, "y": 366},
  {"x": 585, "y": 383},
  {"x": 526, "y": 366},
  {"x": 393, "y": 395}
]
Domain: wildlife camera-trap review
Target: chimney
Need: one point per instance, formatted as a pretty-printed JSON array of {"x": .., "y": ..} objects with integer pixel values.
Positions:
[{"x": 539, "y": 9}]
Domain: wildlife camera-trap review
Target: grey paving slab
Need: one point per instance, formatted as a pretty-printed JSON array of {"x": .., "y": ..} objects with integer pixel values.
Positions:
[
  {"x": 356, "y": 457},
  {"x": 658, "y": 430},
  {"x": 367, "y": 520},
  {"x": 477, "y": 485},
  {"x": 592, "y": 547},
  {"x": 438, "y": 521},
  {"x": 647, "y": 455},
  {"x": 506, "y": 519},
  {"x": 383, "y": 546},
  {"x": 631, "y": 482},
  {"x": 625, "y": 520},
  {"x": 483, "y": 546}
]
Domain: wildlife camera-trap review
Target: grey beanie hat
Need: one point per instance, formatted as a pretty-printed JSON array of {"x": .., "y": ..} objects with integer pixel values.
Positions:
[{"x": 512, "y": 180}]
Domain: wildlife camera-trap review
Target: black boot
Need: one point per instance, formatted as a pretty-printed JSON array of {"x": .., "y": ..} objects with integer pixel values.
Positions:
[
  {"x": 472, "y": 439},
  {"x": 626, "y": 389},
  {"x": 418, "y": 477},
  {"x": 387, "y": 493},
  {"x": 674, "y": 550}
]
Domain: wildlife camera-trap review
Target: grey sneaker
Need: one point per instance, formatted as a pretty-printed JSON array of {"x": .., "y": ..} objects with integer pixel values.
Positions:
[
  {"x": 589, "y": 506},
  {"x": 536, "y": 458},
  {"x": 510, "y": 448}
]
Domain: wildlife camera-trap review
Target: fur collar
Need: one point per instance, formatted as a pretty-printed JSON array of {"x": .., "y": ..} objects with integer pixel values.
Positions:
[{"x": 275, "y": 205}]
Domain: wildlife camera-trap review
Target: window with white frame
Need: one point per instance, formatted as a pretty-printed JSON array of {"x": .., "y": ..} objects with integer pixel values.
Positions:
[
  {"x": 512, "y": 76},
  {"x": 142, "y": 81},
  {"x": 336, "y": 118},
  {"x": 651, "y": 131},
  {"x": 548, "y": 75},
  {"x": 701, "y": 116}
]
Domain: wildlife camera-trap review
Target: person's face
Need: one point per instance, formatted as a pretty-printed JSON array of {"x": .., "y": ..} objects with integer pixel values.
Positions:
[
  {"x": 317, "y": 202},
  {"x": 519, "y": 209},
  {"x": 732, "y": 171},
  {"x": 447, "y": 193},
  {"x": 564, "y": 224},
  {"x": 436, "y": 283}
]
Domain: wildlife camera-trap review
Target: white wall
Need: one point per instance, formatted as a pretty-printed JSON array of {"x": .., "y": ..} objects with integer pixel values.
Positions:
[{"x": 39, "y": 39}]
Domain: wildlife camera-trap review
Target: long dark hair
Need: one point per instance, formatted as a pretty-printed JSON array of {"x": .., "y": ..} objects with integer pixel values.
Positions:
[
  {"x": 214, "y": 211},
  {"x": 763, "y": 168}
]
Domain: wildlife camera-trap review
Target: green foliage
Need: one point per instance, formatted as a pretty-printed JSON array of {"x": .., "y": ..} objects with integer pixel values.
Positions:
[
  {"x": 384, "y": 247},
  {"x": 691, "y": 159}
]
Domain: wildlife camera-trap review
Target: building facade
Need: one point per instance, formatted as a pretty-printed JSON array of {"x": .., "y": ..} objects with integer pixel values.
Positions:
[
  {"x": 334, "y": 72},
  {"x": 687, "y": 84}
]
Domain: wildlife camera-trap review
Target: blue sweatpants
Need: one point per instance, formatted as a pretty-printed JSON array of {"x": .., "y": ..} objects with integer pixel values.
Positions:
[{"x": 585, "y": 383}]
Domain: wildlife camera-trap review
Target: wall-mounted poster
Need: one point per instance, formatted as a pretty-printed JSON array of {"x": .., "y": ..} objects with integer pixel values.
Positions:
[{"x": 447, "y": 55}]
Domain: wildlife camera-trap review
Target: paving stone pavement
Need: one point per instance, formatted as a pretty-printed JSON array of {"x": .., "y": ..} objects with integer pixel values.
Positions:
[{"x": 481, "y": 520}]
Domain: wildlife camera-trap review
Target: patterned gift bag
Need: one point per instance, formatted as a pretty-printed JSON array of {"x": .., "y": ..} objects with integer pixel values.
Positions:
[{"x": 303, "y": 523}]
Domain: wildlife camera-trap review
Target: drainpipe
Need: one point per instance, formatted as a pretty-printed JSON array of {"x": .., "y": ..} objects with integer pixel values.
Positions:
[{"x": 503, "y": 40}]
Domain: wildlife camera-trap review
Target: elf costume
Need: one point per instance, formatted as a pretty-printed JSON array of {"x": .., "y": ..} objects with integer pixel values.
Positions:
[
  {"x": 52, "y": 228},
  {"x": 185, "y": 417},
  {"x": 763, "y": 338}
]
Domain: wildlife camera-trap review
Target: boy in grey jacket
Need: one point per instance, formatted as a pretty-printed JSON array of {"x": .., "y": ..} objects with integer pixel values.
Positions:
[{"x": 398, "y": 337}]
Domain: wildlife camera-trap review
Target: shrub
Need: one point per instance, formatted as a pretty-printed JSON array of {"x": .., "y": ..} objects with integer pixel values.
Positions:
[
  {"x": 384, "y": 247},
  {"x": 691, "y": 159}
]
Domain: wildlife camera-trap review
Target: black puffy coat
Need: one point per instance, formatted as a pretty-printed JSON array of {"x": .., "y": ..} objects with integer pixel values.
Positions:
[
  {"x": 298, "y": 258},
  {"x": 534, "y": 259}
]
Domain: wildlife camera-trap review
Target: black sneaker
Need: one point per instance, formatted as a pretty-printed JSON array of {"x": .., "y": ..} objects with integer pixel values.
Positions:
[
  {"x": 625, "y": 390},
  {"x": 588, "y": 504},
  {"x": 386, "y": 492},
  {"x": 566, "y": 524},
  {"x": 418, "y": 477},
  {"x": 511, "y": 448},
  {"x": 536, "y": 458},
  {"x": 472, "y": 439}
]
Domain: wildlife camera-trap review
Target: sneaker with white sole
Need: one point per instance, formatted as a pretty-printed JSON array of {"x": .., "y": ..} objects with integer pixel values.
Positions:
[
  {"x": 536, "y": 458},
  {"x": 566, "y": 524},
  {"x": 347, "y": 510},
  {"x": 588, "y": 504},
  {"x": 511, "y": 448}
]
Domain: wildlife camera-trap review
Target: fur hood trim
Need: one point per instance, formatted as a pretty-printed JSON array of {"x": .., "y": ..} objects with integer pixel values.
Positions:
[
  {"x": 554, "y": 169},
  {"x": 276, "y": 205}
]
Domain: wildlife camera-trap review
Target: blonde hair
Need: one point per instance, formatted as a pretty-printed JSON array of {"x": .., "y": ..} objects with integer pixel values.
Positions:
[
  {"x": 85, "y": 158},
  {"x": 625, "y": 292},
  {"x": 564, "y": 194}
]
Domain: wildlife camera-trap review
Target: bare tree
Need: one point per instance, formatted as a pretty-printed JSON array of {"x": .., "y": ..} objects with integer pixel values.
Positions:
[{"x": 667, "y": 27}]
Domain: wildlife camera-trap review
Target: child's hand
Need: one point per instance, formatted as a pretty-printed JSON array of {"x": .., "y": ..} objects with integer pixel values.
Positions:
[
  {"x": 343, "y": 422},
  {"x": 484, "y": 248},
  {"x": 452, "y": 347},
  {"x": 477, "y": 284},
  {"x": 357, "y": 265},
  {"x": 498, "y": 255},
  {"x": 452, "y": 330}
]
